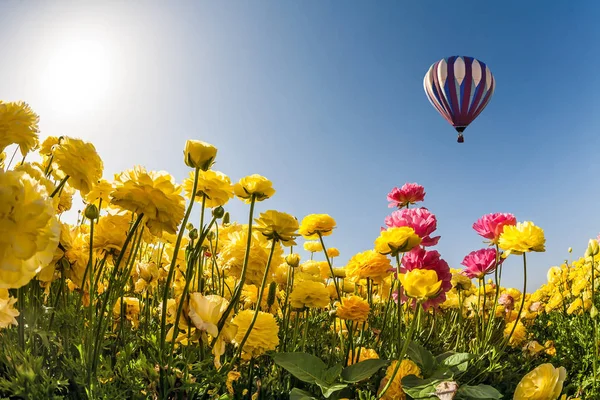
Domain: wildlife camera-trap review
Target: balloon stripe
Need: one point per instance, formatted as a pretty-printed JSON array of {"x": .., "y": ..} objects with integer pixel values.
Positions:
[
  {"x": 452, "y": 89},
  {"x": 466, "y": 90}
]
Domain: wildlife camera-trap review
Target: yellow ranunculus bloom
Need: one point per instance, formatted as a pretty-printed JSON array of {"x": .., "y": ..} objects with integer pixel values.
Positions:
[
  {"x": 313, "y": 246},
  {"x": 254, "y": 185},
  {"x": 80, "y": 161},
  {"x": 395, "y": 391},
  {"x": 397, "y": 240},
  {"x": 420, "y": 284},
  {"x": 368, "y": 264},
  {"x": 214, "y": 184},
  {"x": 198, "y": 154},
  {"x": 29, "y": 230},
  {"x": 353, "y": 308},
  {"x": 263, "y": 336},
  {"x": 278, "y": 226},
  {"x": 543, "y": 383},
  {"x": 314, "y": 224},
  {"x": 333, "y": 252},
  {"x": 8, "y": 312},
  {"x": 309, "y": 294},
  {"x": 18, "y": 125},
  {"x": 205, "y": 311},
  {"x": 522, "y": 238}
]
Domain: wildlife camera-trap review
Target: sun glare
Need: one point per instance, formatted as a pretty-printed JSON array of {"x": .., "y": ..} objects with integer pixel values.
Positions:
[{"x": 77, "y": 76}]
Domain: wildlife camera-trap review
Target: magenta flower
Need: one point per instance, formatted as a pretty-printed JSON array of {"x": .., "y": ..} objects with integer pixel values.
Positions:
[
  {"x": 420, "y": 219},
  {"x": 410, "y": 193},
  {"x": 419, "y": 258},
  {"x": 490, "y": 226},
  {"x": 480, "y": 263}
]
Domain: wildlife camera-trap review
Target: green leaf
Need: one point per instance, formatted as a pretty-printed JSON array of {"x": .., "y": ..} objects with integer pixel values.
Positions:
[
  {"x": 443, "y": 373},
  {"x": 457, "y": 359},
  {"x": 328, "y": 390},
  {"x": 305, "y": 367},
  {"x": 362, "y": 370},
  {"x": 418, "y": 388},
  {"x": 479, "y": 392},
  {"x": 422, "y": 357},
  {"x": 297, "y": 394},
  {"x": 333, "y": 373}
]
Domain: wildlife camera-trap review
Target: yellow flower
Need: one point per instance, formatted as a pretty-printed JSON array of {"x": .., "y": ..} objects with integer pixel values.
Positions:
[
  {"x": 214, "y": 184},
  {"x": 146, "y": 275},
  {"x": 18, "y": 125},
  {"x": 313, "y": 246},
  {"x": 29, "y": 230},
  {"x": 309, "y": 294},
  {"x": 278, "y": 226},
  {"x": 132, "y": 310},
  {"x": 198, "y": 154},
  {"x": 8, "y": 312},
  {"x": 518, "y": 336},
  {"x": 254, "y": 185},
  {"x": 48, "y": 144},
  {"x": 293, "y": 260},
  {"x": 420, "y": 284},
  {"x": 111, "y": 231},
  {"x": 80, "y": 161},
  {"x": 2, "y": 159},
  {"x": 152, "y": 193},
  {"x": 332, "y": 252},
  {"x": 365, "y": 354},
  {"x": 461, "y": 281},
  {"x": 205, "y": 311},
  {"x": 397, "y": 240},
  {"x": 233, "y": 252},
  {"x": 368, "y": 264},
  {"x": 522, "y": 238},
  {"x": 100, "y": 191},
  {"x": 65, "y": 199},
  {"x": 395, "y": 391},
  {"x": 263, "y": 336},
  {"x": 314, "y": 224},
  {"x": 543, "y": 383},
  {"x": 353, "y": 308}
]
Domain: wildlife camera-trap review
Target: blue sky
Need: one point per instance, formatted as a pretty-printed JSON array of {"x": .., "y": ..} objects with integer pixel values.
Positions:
[{"x": 326, "y": 99}]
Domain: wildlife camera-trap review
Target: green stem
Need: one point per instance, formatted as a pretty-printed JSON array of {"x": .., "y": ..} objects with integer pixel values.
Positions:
[
  {"x": 337, "y": 289},
  {"x": 238, "y": 289},
  {"x": 163, "y": 320},
  {"x": 21, "y": 318},
  {"x": 507, "y": 340},
  {"x": 258, "y": 302},
  {"x": 60, "y": 186},
  {"x": 411, "y": 332}
]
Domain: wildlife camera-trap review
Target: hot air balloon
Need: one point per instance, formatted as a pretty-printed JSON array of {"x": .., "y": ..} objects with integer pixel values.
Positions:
[{"x": 459, "y": 88}]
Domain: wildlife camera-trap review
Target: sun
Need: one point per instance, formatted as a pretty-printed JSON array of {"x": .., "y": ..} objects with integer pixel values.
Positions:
[{"x": 76, "y": 76}]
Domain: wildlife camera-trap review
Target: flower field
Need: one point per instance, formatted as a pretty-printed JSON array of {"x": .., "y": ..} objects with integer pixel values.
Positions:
[{"x": 134, "y": 300}]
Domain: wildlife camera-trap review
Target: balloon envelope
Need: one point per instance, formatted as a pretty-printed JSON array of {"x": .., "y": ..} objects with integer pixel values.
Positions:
[{"x": 459, "y": 88}]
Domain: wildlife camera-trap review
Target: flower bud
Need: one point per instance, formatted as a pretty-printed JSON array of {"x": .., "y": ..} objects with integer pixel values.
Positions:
[
  {"x": 593, "y": 311},
  {"x": 570, "y": 250},
  {"x": 210, "y": 236},
  {"x": 91, "y": 212},
  {"x": 218, "y": 212},
  {"x": 226, "y": 219},
  {"x": 199, "y": 154},
  {"x": 193, "y": 234},
  {"x": 593, "y": 248},
  {"x": 293, "y": 260}
]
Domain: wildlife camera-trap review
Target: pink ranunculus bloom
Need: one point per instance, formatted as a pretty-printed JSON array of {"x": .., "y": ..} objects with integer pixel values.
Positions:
[
  {"x": 410, "y": 193},
  {"x": 480, "y": 263},
  {"x": 419, "y": 258},
  {"x": 507, "y": 301},
  {"x": 490, "y": 226},
  {"x": 420, "y": 219}
]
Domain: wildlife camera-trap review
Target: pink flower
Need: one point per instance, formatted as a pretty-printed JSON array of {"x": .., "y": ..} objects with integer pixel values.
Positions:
[
  {"x": 507, "y": 301},
  {"x": 419, "y": 258},
  {"x": 490, "y": 226},
  {"x": 480, "y": 263},
  {"x": 420, "y": 219},
  {"x": 410, "y": 193}
]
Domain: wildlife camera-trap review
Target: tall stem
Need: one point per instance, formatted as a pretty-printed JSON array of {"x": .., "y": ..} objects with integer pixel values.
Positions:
[
  {"x": 60, "y": 186},
  {"x": 507, "y": 340},
  {"x": 163, "y": 320},
  {"x": 238, "y": 289},
  {"x": 337, "y": 289},
  {"x": 411, "y": 332}
]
